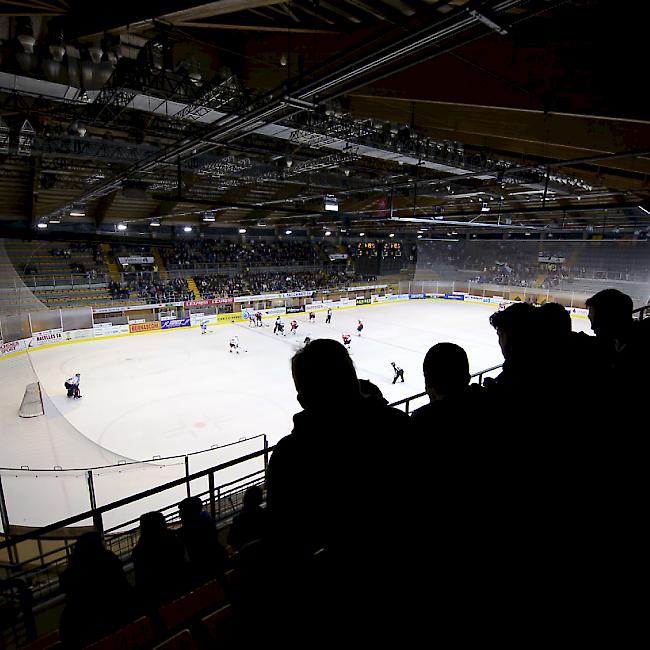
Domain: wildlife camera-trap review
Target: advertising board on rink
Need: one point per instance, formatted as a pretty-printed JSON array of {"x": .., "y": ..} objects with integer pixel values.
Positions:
[
  {"x": 144, "y": 327},
  {"x": 363, "y": 301},
  {"x": 13, "y": 346},
  {"x": 107, "y": 329},
  {"x": 48, "y": 336},
  {"x": 173, "y": 323},
  {"x": 295, "y": 310},
  {"x": 229, "y": 318}
]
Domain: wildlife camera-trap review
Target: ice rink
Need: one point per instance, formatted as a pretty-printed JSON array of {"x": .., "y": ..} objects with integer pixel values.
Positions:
[{"x": 175, "y": 392}]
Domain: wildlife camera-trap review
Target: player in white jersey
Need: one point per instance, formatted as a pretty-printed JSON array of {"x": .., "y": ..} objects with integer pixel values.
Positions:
[
  {"x": 72, "y": 386},
  {"x": 234, "y": 344},
  {"x": 204, "y": 327}
]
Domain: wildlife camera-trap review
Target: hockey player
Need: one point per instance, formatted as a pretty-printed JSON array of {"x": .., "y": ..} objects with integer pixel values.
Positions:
[
  {"x": 306, "y": 342},
  {"x": 312, "y": 316},
  {"x": 280, "y": 326},
  {"x": 328, "y": 319},
  {"x": 294, "y": 327},
  {"x": 234, "y": 344},
  {"x": 204, "y": 327},
  {"x": 72, "y": 386},
  {"x": 359, "y": 328},
  {"x": 258, "y": 318},
  {"x": 251, "y": 318},
  {"x": 347, "y": 339},
  {"x": 399, "y": 372},
  {"x": 276, "y": 327}
]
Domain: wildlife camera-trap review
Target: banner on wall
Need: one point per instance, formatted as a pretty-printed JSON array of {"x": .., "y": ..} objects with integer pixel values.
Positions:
[
  {"x": 144, "y": 327},
  {"x": 135, "y": 259},
  {"x": 363, "y": 301},
  {"x": 454, "y": 296},
  {"x": 47, "y": 336},
  {"x": 208, "y": 301},
  {"x": 173, "y": 323},
  {"x": 338, "y": 256},
  {"x": 368, "y": 287},
  {"x": 295, "y": 310},
  {"x": 417, "y": 296}
]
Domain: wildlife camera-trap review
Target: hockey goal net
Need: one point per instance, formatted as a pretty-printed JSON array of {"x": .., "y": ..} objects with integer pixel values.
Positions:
[{"x": 32, "y": 404}]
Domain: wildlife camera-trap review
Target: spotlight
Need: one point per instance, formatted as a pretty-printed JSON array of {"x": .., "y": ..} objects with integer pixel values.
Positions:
[
  {"x": 42, "y": 224},
  {"x": 209, "y": 217},
  {"x": 361, "y": 234},
  {"x": 328, "y": 233},
  {"x": 242, "y": 231},
  {"x": 392, "y": 234},
  {"x": 154, "y": 223},
  {"x": 55, "y": 220},
  {"x": 419, "y": 236},
  {"x": 187, "y": 229},
  {"x": 121, "y": 226},
  {"x": 77, "y": 211},
  {"x": 288, "y": 232}
]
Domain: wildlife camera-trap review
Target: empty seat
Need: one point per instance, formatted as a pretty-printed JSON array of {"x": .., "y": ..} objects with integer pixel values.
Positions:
[
  {"x": 216, "y": 625},
  {"x": 182, "y": 610},
  {"x": 138, "y": 634},
  {"x": 181, "y": 641}
]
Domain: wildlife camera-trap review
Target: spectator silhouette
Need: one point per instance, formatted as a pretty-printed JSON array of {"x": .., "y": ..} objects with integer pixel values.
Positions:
[
  {"x": 330, "y": 551},
  {"x": 159, "y": 562},
  {"x": 446, "y": 379},
  {"x": 523, "y": 373},
  {"x": 626, "y": 342},
  {"x": 98, "y": 598},
  {"x": 198, "y": 533},
  {"x": 250, "y": 524}
]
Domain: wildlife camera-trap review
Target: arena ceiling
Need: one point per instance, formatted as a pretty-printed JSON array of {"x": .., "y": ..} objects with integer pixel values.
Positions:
[{"x": 511, "y": 114}]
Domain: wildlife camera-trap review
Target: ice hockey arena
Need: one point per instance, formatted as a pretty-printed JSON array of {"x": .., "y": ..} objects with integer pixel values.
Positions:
[{"x": 322, "y": 322}]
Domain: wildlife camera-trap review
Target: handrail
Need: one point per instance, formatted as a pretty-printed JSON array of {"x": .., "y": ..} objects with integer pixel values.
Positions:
[
  {"x": 126, "y": 463},
  {"x": 96, "y": 513},
  {"x": 641, "y": 311},
  {"x": 408, "y": 400}
]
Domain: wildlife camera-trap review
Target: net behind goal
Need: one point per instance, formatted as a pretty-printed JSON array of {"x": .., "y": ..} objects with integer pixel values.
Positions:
[{"x": 32, "y": 404}]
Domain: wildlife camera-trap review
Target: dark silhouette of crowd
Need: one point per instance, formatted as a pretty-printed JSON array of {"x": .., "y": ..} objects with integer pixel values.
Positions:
[{"x": 504, "y": 511}]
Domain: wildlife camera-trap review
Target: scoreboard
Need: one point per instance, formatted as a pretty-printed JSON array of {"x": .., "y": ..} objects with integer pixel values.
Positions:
[
  {"x": 366, "y": 249},
  {"x": 392, "y": 249}
]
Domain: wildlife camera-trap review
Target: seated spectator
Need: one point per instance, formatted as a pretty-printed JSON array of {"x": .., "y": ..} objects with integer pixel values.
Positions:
[
  {"x": 250, "y": 524},
  {"x": 159, "y": 562},
  {"x": 446, "y": 379},
  {"x": 98, "y": 598},
  {"x": 198, "y": 533}
]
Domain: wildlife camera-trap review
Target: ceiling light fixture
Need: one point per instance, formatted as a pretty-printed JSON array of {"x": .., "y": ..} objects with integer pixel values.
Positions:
[
  {"x": 242, "y": 231},
  {"x": 42, "y": 224},
  {"x": 288, "y": 232},
  {"x": 155, "y": 223},
  {"x": 361, "y": 234},
  {"x": 187, "y": 229},
  {"x": 392, "y": 234},
  {"x": 328, "y": 233},
  {"x": 121, "y": 226}
]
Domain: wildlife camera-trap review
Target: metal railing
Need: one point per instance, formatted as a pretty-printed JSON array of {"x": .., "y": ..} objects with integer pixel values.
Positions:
[
  {"x": 407, "y": 400},
  {"x": 58, "y": 281}
]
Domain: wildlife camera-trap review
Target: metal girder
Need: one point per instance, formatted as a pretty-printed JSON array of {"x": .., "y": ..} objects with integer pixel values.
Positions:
[{"x": 268, "y": 108}]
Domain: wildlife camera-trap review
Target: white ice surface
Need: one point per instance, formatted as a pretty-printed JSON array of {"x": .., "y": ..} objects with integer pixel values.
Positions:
[{"x": 179, "y": 391}]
